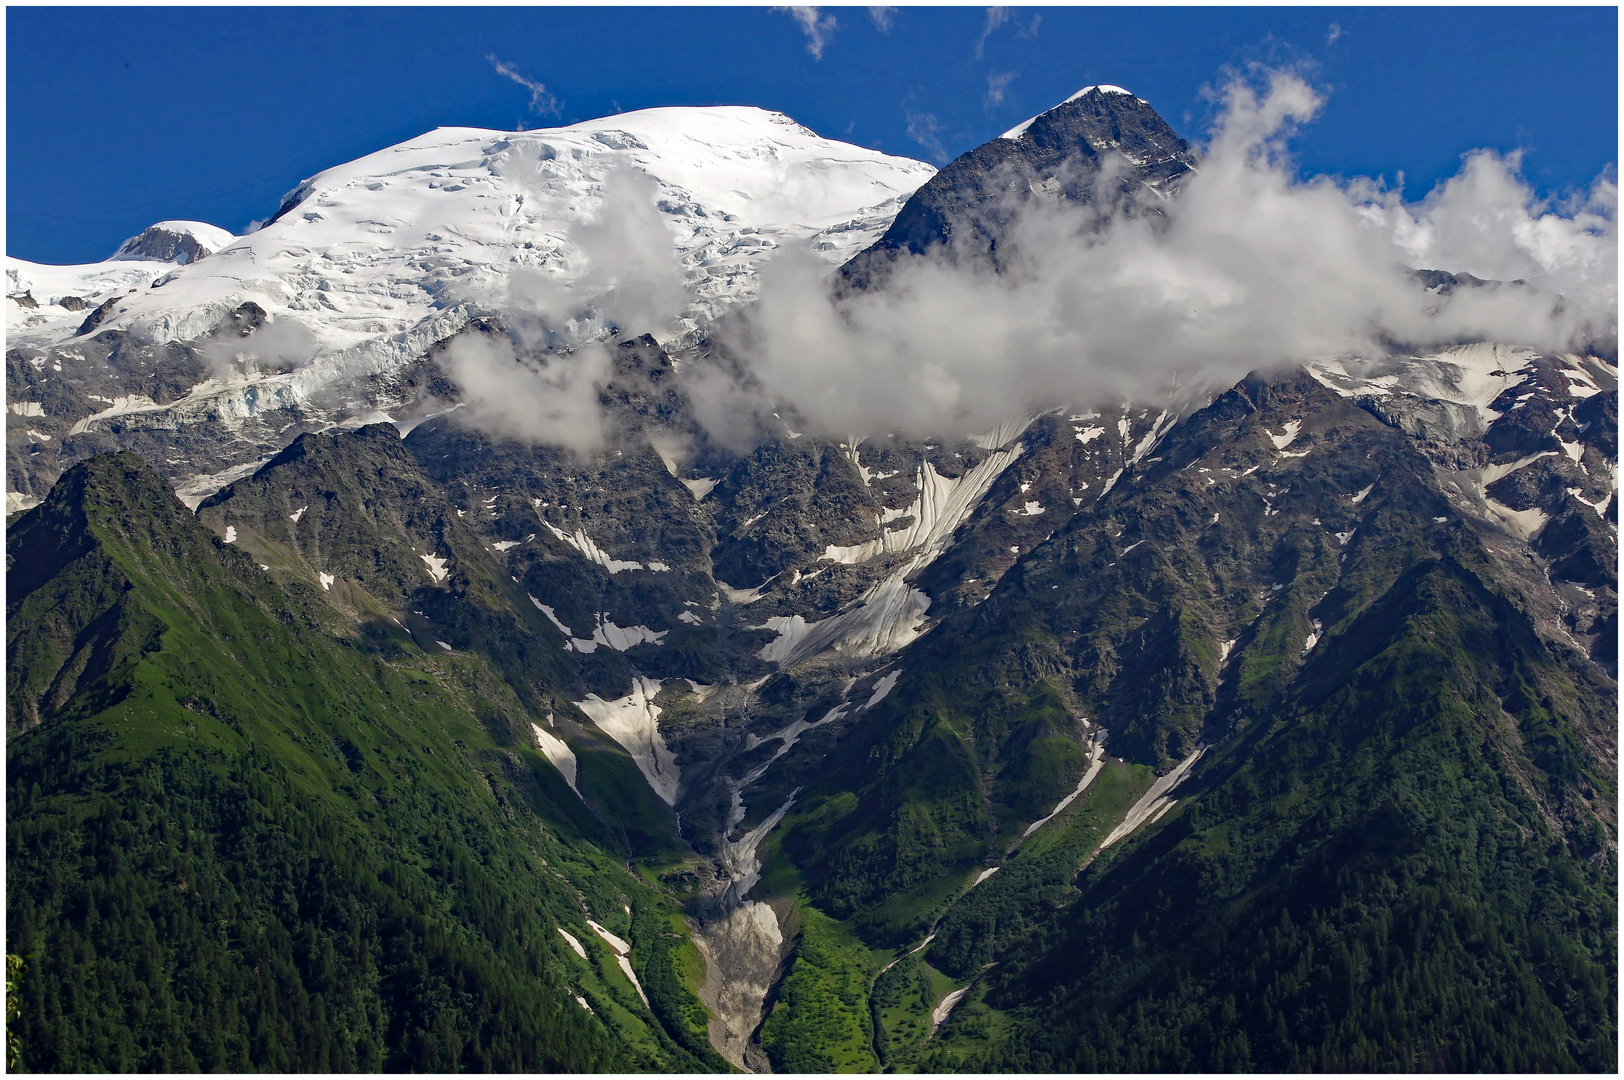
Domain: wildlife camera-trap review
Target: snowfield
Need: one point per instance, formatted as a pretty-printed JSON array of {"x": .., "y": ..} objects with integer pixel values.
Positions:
[{"x": 382, "y": 256}]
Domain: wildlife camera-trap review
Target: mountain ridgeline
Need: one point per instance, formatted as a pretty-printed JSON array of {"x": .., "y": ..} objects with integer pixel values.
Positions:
[{"x": 1268, "y": 726}]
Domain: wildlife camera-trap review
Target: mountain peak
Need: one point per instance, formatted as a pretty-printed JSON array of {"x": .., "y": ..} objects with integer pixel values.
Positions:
[
  {"x": 1102, "y": 90},
  {"x": 966, "y": 209},
  {"x": 174, "y": 242}
]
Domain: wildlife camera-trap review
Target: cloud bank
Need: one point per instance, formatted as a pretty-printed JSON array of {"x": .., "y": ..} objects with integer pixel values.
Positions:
[{"x": 1250, "y": 266}]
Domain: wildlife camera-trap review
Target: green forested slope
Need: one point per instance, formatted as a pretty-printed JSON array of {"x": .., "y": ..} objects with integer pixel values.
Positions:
[
  {"x": 241, "y": 840},
  {"x": 1372, "y": 878},
  {"x": 1397, "y": 852}
]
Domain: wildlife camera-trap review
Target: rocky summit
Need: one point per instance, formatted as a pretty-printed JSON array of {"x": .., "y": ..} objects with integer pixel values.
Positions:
[{"x": 1255, "y": 725}]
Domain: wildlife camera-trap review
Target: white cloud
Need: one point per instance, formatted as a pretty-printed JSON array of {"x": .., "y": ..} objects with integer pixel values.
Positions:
[
  {"x": 539, "y": 380},
  {"x": 996, "y": 86},
  {"x": 924, "y": 129},
  {"x": 817, "y": 27},
  {"x": 551, "y": 398},
  {"x": 278, "y": 345},
  {"x": 542, "y": 101},
  {"x": 1250, "y": 266},
  {"x": 996, "y": 17},
  {"x": 883, "y": 18}
]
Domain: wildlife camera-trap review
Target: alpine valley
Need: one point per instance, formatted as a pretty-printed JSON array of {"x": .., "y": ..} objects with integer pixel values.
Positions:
[{"x": 1266, "y": 724}]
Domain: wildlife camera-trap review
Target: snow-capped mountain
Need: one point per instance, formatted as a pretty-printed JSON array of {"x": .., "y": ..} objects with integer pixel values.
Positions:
[
  {"x": 1347, "y": 610},
  {"x": 368, "y": 265},
  {"x": 412, "y": 240}
]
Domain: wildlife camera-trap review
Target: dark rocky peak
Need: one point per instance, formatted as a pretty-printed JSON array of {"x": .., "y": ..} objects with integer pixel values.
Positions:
[
  {"x": 116, "y": 496},
  {"x": 343, "y": 450},
  {"x": 174, "y": 242},
  {"x": 1101, "y": 147}
]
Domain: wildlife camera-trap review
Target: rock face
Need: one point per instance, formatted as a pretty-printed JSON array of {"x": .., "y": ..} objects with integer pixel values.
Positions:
[
  {"x": 179, "y": 242},
  {"x": 1102, "y": 147}
]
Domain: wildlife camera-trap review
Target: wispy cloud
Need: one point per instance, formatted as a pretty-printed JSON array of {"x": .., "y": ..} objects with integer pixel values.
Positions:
[
  {"x": 1334, "y": 33},
  {"x": 542, "y": 101},
  {"x": 817, "y": 27},
  {"x": 924, "y": 129},
  {"x": 996, "y": 17},
  {"x": 1027, "y": 33},
  {"x": 996, "y": 85},
  {"x": 882, "y": 18}
]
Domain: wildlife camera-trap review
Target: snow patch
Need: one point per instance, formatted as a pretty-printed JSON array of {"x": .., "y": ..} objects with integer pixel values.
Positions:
[
  {"x": 941, "y": 507},
  {"x": 583, "y": 543},
  {"x": 882, "y": 688},
  {"x": 618, "y": 638},
  {"x": 633, "y": 722},
  {"x": 1151, "y": 803},
  {"x": 744, "y": 596},
  {"x": 551, "y": 616},
  {"x": 1096, "y": 762},
  {"x": 1491, "y": 473},
  {"x": 739, "y": 856},
  {"x": 1086, "y": 435},
  {"x": 558, "y": 752},
  {"x": 231, "y": 534},
  {"x": 699, "y": 488},
  {"x": 1287, "y": 436},
  {"x": 299, "y": 513},
  {"x": 939, "y": 1015},
  {"x": 623, "y": 952},
  {"x": 575, "y": 943},
  {"x": 326, "y": 581},
  {"x": 1524, "y": 523},
  {"x": 436, "y": 567}
]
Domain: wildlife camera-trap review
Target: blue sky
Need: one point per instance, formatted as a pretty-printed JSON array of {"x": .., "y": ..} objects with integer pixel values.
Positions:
[{"x": 117, "y": 118}]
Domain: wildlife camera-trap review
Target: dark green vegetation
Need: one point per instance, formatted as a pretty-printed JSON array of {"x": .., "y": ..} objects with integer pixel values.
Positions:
[
  {"x": 1399, "y": 852},
  {"x": 244, "y": 836},
  {"x": 820, "y": 1021}
]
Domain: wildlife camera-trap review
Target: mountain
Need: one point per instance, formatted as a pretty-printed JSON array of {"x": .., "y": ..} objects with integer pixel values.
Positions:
[
  {"x": 179, "y": 242},
  {"x": 248, "y": 834},
  {"x": 367, "y": 265},
  {"x": 1101, "y": 147},
  {"x": 1268, "y": 725}
]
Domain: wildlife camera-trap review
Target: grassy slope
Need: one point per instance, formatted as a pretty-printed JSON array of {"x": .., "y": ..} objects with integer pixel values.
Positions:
[{"x": 241, "y": 841}]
